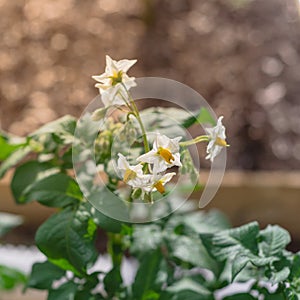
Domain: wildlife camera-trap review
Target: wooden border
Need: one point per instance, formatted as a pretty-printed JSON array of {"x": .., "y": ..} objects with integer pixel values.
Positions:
[{"x": 268, "y": 197}]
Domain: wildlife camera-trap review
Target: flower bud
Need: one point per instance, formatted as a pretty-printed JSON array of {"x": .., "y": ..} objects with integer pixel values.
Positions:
[
  {"x": 103, "y": 146},
  {"x": 128, "y": 133}
]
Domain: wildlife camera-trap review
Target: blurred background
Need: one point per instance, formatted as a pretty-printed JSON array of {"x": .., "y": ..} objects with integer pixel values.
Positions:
[{"x": 243, "y": 56}]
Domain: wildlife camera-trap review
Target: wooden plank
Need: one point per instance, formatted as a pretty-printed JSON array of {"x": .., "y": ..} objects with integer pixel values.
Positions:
[
  {"x": 17, "y": 294},
  {"x": 269, "y": 197}
]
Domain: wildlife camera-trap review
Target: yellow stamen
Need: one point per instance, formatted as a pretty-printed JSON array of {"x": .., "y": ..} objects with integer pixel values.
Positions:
[
  {"x": 159, "y": 186},
  {"x": 116, "y": 77},
  {"x": 221, "y": 142},
  {"x": 129, "y": 175},
  {"x": 165, "y": 154}
]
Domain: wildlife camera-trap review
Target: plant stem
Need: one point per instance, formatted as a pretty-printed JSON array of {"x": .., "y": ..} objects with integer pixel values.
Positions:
[
  {"x": 138, "y": 117},
  {"x": 114, "y": 248},
  {"x": 198, "y": 139}
]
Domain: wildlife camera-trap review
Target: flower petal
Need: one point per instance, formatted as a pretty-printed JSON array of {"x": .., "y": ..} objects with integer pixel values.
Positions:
[
  {"x": 149, "y": 157},
  {"x": 125, "y": 64},
  {"x": 122, "y": 162}
]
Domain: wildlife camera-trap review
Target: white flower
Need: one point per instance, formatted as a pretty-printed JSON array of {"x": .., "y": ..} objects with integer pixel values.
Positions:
[
  {"x": 157, "y": 182},
  {"x": 111, "y": 83},
  {"x": 165, "y": 154},
  {"x": 132, "y": 175},
  {"x": 217, "y": 140}
]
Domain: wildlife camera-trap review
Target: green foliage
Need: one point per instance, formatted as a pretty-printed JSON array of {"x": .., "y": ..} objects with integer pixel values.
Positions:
[
  {"x": 8, "y": 146},
  {"x": 242, "y": 296},
  {"x": 13, "y": 158},
  {"x": 273, "y": 240},
  {"x": 187, "y": 289},
  {"x": 43, "y": 275},
  {"x": 201, "y": 117},
  {"x": 61, "y": 129},
  {"x": 67, "y": 290},
  {"x": 175, "y": 254},
  {"x": 150, "y": 266},
  {"x": 67, "y": 241},
  {"x": 42, "y": 182},
  {"x": 113, "y": 281},
  {"x": 10, "y": 278}
]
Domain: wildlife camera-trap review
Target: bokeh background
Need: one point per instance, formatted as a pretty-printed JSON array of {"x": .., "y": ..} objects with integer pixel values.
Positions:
[{"x": 243, "y": 56}]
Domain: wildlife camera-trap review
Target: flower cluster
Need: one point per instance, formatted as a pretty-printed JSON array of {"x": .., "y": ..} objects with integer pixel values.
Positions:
[
  {"x": 165, "y": 154},
  {"x": 149, "y": 174}
]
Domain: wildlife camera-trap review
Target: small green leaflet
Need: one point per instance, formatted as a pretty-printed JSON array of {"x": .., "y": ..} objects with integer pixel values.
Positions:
[{"x": 203, "y": 116}]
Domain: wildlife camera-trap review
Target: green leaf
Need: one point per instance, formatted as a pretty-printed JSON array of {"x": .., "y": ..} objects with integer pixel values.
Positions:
[
  {"x": 238, "y": 264},
  {"x": 151, "y": 295},
  {"x": 86, "y": 132},
  {"x": 187, "y": 289},
  {"x": 167, "y": 120},
  {"x": 43, "y": 274},
  {"x": 67, "y": 159},
  {"x": 41, "y": 182},
  {"x": 66, "y": 291},
  {"x": 295, "y": 270},
  {"x": 63, "y": 128},
  {"x": 202, "y": 117},
  {"x": 280, "y": 276},
  {"x": 262, "y": 261},
  {"x": 206, "y": 222},
  {"x": 279, "y": 297},
  {"x": 87, "y": 295},
  {"x": 190, "y": 295},
  {"x": 65, "y": 265},
  {"x": 105, "y": 222},
  {"x": 289, "y": 294},
  {"x": 274, "y": 240},
  {"x": 26, "y": 175},
  {"x": 242, "y": 296},
  {"x": 146, "y": 238},
  {"x": 57, "y": 190},
  {"x": 9, "y": 278},
  {"x": 7, "y": 148},
  {"x": 227, "y": 244},
  {"x": 188, "y": 167},
  {"x": 8, "y": 222},
  {"x": 113, "y": 281},
  {"x": 14, "y": 158},
  {"x": 191, "y": 250},
  {"x": 104, "y": 200},
  {"x": 145, "y": 279},
  {"x": 66, "y": 239}
]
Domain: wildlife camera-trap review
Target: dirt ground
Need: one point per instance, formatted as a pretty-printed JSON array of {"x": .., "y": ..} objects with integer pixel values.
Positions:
[{"x": 243, "y": 56}]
